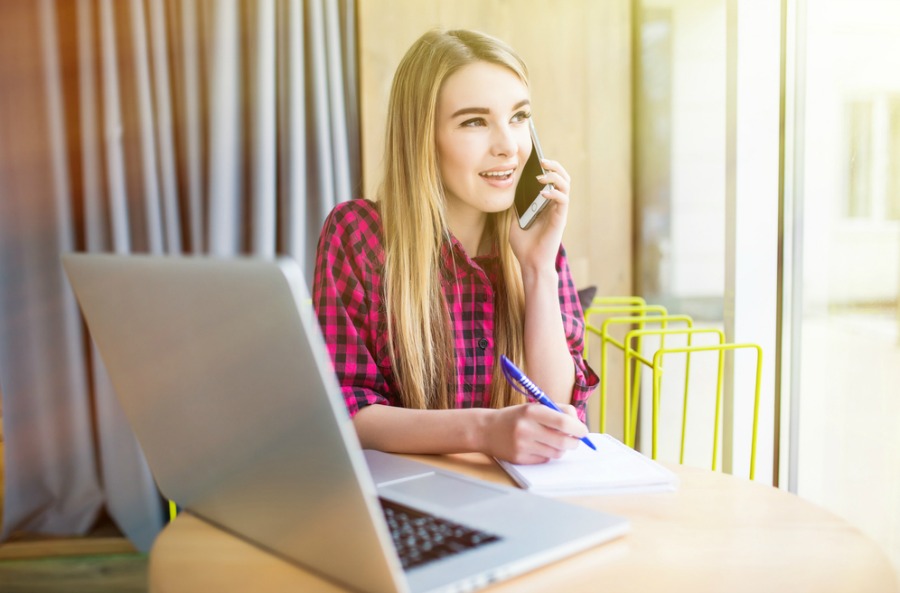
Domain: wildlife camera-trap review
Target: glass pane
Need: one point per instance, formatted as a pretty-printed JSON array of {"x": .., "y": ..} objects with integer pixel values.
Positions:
[
  {"x": 859, "y": 165},
  {"x": 893, "y": 169},
  {"x": 849, "y": 442},
  {"x": 680, "y": 188},
  {"x": 680, "y": 144}
]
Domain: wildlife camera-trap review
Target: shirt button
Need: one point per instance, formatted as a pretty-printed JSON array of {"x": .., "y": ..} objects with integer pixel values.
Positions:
[{"x": 483, "y": 343}]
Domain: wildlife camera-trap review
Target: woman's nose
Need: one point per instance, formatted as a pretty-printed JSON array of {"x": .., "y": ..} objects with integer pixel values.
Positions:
[{"x": 503, "y": 141}]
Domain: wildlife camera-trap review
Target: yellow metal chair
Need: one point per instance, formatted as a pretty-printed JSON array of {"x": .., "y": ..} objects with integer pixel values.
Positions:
[
  {"x": 633, "y": 356},
  {"x": 635, "y": 311},
  {"x": 633, "y": 305},
  {"x": 616, "y": 306},
  {"x": 659, "y": 316},
  {"x": 613, "y": 305},
  {"x": 720, "y": 349}
]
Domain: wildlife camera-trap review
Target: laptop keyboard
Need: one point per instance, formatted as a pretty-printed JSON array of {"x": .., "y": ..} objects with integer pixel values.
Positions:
[{"x": 421, "y": 538}]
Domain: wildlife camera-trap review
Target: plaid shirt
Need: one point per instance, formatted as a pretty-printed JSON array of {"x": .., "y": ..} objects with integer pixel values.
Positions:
[{"x": 348, "y": 297}]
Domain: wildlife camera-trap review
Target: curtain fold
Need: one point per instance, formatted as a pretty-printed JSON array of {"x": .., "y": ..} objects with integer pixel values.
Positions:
[
  {"x": 146, "y": 126},
  {"x": 291, "y": 110},
  {"x": 225, "y": 136},
  {"x": 52, "y": 481},
  {"x": 263, "y": 131}
]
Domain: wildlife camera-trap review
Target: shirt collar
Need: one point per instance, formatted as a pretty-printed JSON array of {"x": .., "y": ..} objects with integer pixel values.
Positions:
[{"x": 454, "y": 253}]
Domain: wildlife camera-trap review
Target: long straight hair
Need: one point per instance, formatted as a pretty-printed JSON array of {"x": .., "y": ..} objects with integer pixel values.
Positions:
[{"x": 416, "y": 230}]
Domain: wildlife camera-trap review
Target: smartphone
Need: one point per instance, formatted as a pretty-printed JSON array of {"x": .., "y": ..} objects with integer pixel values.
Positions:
[{"x": 529, "y": 201}]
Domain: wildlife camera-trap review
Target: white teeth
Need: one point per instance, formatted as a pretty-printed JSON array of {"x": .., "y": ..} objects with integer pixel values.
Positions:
[{"x": 497, "y": 173}]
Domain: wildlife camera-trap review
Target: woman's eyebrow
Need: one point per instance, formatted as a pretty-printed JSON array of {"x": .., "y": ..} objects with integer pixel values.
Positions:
[
  {"x": 485, "y": 110},
  {"x": 469, "y": 110}
]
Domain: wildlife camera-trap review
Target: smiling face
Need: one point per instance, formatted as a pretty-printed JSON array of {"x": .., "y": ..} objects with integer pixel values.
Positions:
[{"x": 482, "y": 138}]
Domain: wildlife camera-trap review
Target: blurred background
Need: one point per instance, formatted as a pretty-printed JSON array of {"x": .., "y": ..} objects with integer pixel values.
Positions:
[
  {"x": 737, "y": 161},
  {"x": 837, "y": 219}
]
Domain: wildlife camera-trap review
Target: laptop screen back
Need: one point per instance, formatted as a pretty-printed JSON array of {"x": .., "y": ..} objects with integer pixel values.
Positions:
[{"x": 222, "y": 372}]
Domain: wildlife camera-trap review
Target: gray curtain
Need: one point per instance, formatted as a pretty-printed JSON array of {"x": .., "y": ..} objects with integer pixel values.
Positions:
[{"x": 146, "y": 126}]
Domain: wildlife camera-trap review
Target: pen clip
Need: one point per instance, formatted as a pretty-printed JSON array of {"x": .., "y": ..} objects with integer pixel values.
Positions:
[
  {"x": 511, "y": 381},
  {"x": 514, "y": 382}
]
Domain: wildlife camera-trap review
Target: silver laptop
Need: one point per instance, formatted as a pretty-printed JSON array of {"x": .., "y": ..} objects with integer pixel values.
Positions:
[{"x": 223, "y": 374}]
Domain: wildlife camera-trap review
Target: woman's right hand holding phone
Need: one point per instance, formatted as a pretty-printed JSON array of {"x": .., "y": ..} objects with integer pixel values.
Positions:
[{"x": 538, "y": 246}]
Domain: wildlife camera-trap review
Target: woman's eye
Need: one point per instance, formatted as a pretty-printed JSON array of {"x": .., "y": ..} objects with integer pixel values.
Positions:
[
  {"x": 472, "y": 123},
  {"x": 521, "y": 116}
]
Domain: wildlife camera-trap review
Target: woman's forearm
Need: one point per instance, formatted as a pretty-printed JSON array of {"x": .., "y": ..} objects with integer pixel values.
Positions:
[
  {"x": 548, "y": 361},
  {"x": 527, "y": 433},
  {"x": 401, "y": 430}
]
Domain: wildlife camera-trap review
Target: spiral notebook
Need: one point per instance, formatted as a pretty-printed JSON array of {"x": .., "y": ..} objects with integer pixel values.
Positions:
[{"x": 613, "y": 468}]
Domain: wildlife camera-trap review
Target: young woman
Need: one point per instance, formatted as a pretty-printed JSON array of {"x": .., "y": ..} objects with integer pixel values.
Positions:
[{"x": 420, "y": 292}]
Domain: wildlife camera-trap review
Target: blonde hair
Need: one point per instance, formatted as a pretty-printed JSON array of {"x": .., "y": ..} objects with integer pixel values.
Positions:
[{"x": 415, "y": 229}]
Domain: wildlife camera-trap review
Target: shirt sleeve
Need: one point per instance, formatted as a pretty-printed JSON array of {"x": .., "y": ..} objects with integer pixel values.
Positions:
[
  {"x": 573, "y": 324},
  {"x": 343, "y": 295}
]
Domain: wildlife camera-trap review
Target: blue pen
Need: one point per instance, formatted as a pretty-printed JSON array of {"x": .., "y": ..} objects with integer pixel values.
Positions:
[{"x": 512, "y": 371}]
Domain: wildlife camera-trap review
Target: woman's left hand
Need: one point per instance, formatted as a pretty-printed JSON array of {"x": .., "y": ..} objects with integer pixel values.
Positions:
[{"x": 537, "y": 247}]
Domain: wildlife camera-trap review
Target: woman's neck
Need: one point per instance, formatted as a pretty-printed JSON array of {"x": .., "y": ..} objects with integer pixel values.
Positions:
[{"x": 471, "y": 234}]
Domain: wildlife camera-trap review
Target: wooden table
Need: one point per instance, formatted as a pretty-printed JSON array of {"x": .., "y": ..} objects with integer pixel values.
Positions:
[{"x": 716, "y": 533}]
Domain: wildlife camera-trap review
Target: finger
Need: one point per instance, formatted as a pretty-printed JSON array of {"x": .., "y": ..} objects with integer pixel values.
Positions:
[
  {"x": 555, "y": 195},
  {"x": 551, "y": 446},
  {"x": 563, "y": 423},
  {"x": 557, "y": 180},
  {"x": 539, "y": 444},
  {"x": 554, "y": 166},
  {"x": 529, "y": 459},
  {"x": 570, "y": 410},
  {"x": 560, "y": 442}
]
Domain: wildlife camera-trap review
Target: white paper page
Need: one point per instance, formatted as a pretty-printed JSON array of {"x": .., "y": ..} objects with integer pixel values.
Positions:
[{"x": 612, "y": 466}]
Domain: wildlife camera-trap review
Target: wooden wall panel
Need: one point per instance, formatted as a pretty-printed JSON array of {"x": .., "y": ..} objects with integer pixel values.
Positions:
[{"x": 578, "y": 54}]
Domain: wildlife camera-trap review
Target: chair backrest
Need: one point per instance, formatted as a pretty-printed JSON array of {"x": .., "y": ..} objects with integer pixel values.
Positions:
[
  {"x": 634, "y": 311},
  {"x": 720, "y": 349},
  {"x": 633, "y": 358}
]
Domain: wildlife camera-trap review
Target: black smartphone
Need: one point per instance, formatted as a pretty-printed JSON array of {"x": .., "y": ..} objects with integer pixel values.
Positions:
[{"x": 529, "y": 201}]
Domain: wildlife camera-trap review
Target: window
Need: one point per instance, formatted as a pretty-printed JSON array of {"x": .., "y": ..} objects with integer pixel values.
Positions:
[{"x": 873, "y": 158}]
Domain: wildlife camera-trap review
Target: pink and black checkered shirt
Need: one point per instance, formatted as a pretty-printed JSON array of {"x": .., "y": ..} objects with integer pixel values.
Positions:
[{"x": 348, "y": 297}]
